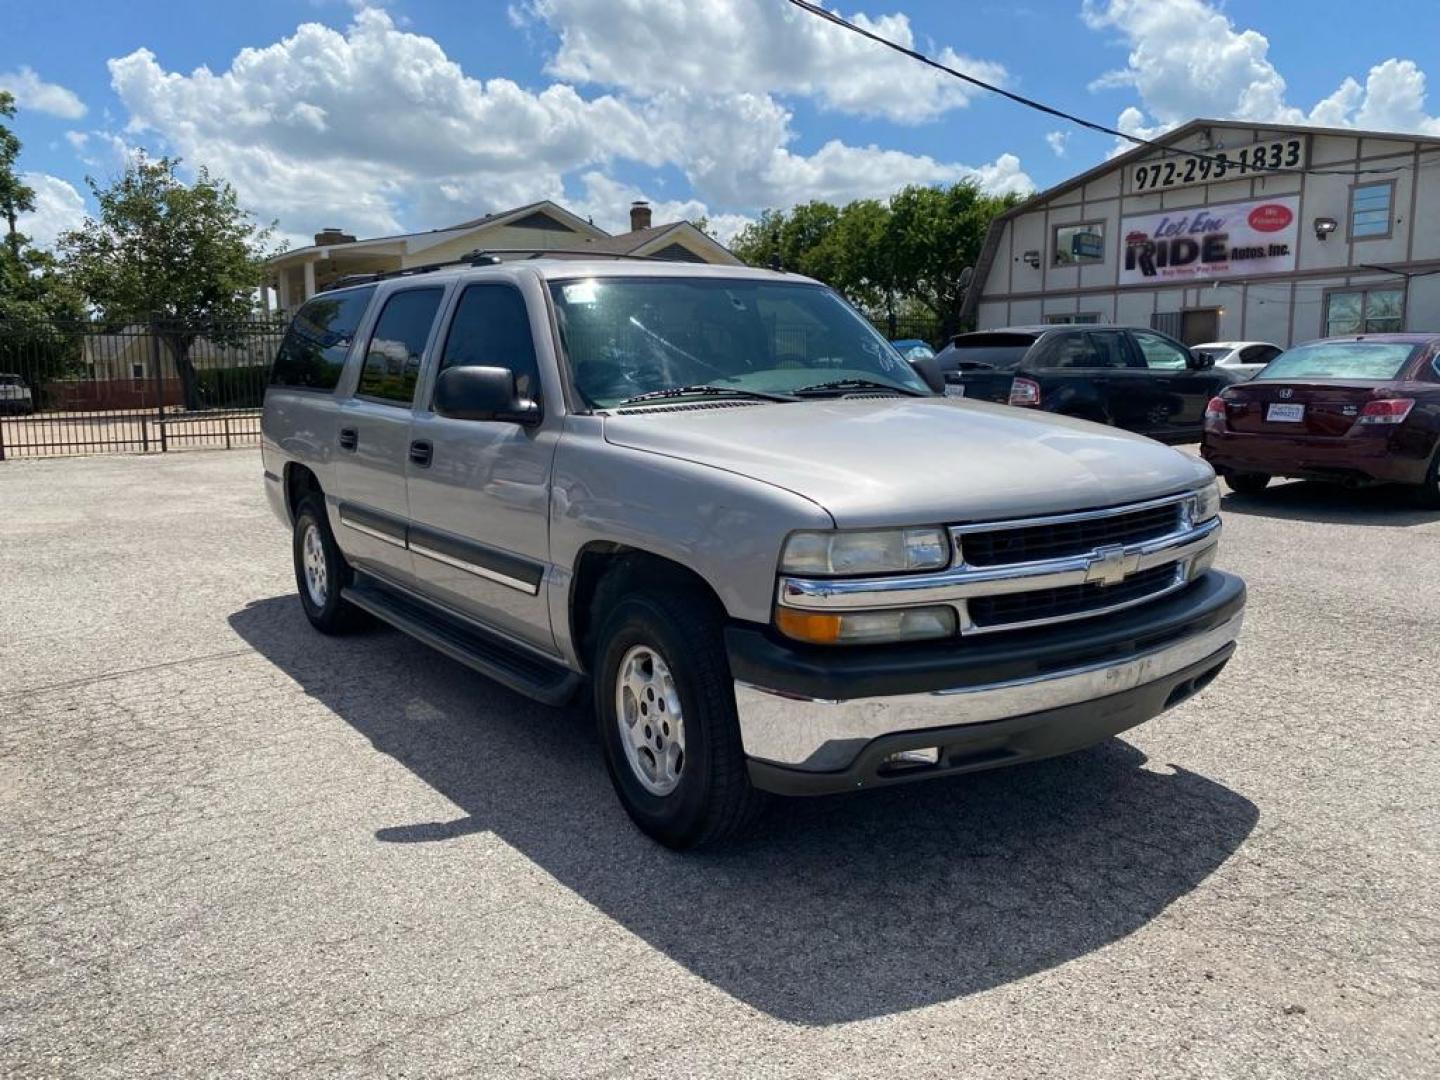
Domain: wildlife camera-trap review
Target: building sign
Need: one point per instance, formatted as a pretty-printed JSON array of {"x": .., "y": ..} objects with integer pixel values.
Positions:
[
  {"x": 1182, "y": 170},
  {"x": 1087, "y": 245},
  {"x": 1232, "y": 240}
]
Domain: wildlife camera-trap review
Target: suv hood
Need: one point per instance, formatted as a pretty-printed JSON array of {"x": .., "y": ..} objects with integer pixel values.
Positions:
[{"x": 901, "y": 461}]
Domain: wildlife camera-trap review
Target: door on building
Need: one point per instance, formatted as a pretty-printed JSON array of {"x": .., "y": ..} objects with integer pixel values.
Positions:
[{"x": 1200, "y": 325}]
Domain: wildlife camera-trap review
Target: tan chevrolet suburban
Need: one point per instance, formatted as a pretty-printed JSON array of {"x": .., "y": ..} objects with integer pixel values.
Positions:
[{"x": 718, "y": 502}]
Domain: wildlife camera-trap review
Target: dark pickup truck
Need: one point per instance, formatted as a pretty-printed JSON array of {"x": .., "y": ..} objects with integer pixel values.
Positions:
[{"x": 1132, "y": 378}]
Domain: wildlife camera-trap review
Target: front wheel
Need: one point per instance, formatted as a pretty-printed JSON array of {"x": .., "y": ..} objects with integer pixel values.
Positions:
[
  {"x": 1247, "y": 483},
  {"x": 665, "y": 706}
]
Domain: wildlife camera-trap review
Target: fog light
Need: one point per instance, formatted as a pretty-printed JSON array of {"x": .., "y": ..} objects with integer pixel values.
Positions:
[
  {"x": 910, "y": 759},
  {"x": 866, "y": 627}
]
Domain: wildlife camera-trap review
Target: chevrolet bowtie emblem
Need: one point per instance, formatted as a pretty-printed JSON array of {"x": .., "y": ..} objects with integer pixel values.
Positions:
[{"x": 1108, "y": 565}]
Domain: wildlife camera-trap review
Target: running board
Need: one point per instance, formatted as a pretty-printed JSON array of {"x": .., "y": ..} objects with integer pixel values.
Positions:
[{"x": 511, "y": 666}]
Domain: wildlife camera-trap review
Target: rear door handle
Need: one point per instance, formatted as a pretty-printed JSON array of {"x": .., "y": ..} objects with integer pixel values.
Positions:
[
  {"x": 421, "y": 452},
  {"x": 349, "y": 438}
]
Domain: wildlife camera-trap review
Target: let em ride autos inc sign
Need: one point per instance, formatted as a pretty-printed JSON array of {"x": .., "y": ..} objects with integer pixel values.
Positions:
[{"x": 1233, "y": 240}]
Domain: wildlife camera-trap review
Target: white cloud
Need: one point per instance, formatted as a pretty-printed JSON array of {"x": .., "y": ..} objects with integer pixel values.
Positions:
[
  {"x": 1188, "y": 60},
  {"x": 58, "y": 208},
  {"x": 376, "y": 130},
  {"x": 367, "y": 119},
  {"x": 1057, "y": 141},
  {"x": 756, "y": 46},
  {"x": 32, "y": 92}
]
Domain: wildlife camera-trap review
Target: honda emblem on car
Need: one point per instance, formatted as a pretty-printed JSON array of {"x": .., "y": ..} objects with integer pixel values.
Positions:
[{"x": 1285, "y": 392}]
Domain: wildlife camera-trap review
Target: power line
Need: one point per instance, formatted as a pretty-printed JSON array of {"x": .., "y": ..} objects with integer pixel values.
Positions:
[{"x": 1050, "y": 110}]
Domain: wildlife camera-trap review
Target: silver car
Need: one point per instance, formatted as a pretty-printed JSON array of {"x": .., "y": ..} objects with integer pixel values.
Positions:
[{"x": 717, "y": 502}]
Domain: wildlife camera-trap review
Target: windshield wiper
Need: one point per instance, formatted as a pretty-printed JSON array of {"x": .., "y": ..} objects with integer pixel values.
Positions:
[
  {"x": 856, "y": 384},
  {"x": 701, "y": 390}
]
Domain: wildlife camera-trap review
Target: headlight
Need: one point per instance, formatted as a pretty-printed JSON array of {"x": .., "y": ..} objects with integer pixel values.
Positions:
[
  {"x": 1205, "y": 503},
  {"x": 875, "y": 551},
  {"x": 866, "y": 627}
]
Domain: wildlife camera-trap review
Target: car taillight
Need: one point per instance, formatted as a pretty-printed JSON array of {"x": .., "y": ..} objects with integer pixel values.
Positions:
[
  {"x": 1386, "y": 411},
  {"x": 1215, "y": 414},
  {"x": 1025, "y": 392}
]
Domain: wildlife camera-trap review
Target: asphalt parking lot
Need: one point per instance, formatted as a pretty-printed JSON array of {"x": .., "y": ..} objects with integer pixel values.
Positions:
[{"x": 233, "y": 847}]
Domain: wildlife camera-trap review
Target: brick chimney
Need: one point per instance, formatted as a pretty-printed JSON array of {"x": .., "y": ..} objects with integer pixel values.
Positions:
[
  {"x": 639, "y": 215},
  {"x": 330, "y": 236}
]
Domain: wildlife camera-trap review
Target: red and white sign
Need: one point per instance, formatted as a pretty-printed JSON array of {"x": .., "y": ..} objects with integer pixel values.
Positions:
[{"x": 1233, "y": 240}]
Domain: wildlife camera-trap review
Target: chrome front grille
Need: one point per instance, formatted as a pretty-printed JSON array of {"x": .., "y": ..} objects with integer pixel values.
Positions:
[
  {"x": 1009, "y": 575},
  {"x": 1013, "y": 610},
  {"x": 999, "y": 545}
]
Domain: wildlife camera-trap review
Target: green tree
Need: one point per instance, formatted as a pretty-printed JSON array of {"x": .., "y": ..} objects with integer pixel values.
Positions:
[
  {"x": 184, "y": 256},
  {"x": 39, "y": 312},
  {"x": 936, "y": 234},
  {"x": 893, "y": 259},
  {"x": 15, "y": 197}
]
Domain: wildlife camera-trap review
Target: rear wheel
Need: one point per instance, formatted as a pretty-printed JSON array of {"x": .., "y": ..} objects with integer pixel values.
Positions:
[
  {"x": 1429, "y": 493},
  {"x": 321, "y": 571},
  {"x": 665, "y": 706},
  {"x": 1247, "y": 483}
]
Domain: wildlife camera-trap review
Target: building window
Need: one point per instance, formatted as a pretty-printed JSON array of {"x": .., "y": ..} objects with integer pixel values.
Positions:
[
  {"x": 1364, "y": 311},
  {"x": 1085, "y": 318},
  {"x": 137, "y": 372},
  {"x": 1370, "y": 210},
  {"x": 1078, "y": 244}
]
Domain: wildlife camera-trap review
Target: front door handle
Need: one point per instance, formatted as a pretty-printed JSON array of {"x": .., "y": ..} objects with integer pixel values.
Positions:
[
  {"x": 421, "y": 452},
  {"x": 349, "y": 438}
]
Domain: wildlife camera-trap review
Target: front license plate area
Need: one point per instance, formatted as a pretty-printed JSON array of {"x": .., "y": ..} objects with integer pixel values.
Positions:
[{"x": 1285, "y": 414}]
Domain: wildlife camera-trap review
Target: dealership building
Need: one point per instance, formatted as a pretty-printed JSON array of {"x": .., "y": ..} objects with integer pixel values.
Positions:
[{"x": 1232, "y": 232}]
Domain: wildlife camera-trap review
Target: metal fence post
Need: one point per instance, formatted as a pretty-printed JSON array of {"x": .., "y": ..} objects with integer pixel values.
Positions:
[{"x": 159, "y": 381}]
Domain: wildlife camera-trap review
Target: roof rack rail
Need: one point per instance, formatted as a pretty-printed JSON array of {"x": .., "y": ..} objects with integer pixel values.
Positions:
[{"x": 479, "y": 257}]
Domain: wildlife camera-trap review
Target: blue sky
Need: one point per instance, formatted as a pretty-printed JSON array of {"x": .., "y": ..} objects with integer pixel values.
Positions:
[{"x": 419, "y": 113}]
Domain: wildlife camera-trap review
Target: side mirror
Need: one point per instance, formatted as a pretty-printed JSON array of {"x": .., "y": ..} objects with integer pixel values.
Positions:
[
  {"x": 1199, "y": 361},
  {"x": 482, "y": 393},
  {"x": 928, "y": 368}
]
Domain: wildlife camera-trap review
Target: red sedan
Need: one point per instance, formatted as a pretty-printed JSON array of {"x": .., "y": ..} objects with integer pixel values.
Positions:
[{"x": 1353, "y": 410}]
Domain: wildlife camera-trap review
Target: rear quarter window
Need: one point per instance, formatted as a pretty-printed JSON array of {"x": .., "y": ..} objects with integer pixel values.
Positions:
[
  {"x": 312, "y": 353},
  {"x": 998, "y": 352}
]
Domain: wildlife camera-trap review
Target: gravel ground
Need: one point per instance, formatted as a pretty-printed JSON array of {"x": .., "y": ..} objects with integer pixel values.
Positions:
[{"x": 234, "y": 847}]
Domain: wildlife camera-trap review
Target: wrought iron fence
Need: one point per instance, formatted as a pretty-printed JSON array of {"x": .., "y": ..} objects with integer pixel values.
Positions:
[
  {"x": 910, "y": 328},
  {"x": 95, "y": 388}
]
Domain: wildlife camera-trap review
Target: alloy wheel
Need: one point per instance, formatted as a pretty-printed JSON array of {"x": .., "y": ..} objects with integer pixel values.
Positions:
[{"x": 652, "y": 728}]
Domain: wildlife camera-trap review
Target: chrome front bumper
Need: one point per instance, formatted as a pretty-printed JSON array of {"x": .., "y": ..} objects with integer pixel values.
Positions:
[{"x": 816, "y": 734}]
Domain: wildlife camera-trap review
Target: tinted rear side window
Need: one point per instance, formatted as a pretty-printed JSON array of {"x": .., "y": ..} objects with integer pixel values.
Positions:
[
  {"x": 492, "y": 329},
  {"x": 1002, "y": 352},
  {"x": 312, "y": 354},
  {"x": 392, "y": 362}
]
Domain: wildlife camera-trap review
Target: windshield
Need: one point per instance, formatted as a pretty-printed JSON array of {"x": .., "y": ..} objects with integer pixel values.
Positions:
[
  {"x": 629, "y": 336},
  {"x": 1339, "y": 360}
]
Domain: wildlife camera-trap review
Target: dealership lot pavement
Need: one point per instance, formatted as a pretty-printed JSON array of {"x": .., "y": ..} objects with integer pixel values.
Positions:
[{"x": 233, "y": 847}]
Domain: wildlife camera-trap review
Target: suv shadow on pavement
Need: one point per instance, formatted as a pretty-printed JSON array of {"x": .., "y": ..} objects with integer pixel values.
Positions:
[
  {"x": 836, "y": 909},
  {"x": 1308, "y": 500}
]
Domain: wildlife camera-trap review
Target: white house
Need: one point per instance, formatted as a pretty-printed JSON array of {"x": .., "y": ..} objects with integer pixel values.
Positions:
[{"x": 523, "y": 232}]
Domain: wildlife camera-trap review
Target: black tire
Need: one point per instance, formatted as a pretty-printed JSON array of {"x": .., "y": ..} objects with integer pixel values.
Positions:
[
  {"x": 713, "y": 799},
  {"x": 1428, "y": 495},
  {"x": 1247, "y": 483},
  {"x": 334, "y": 615}
]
